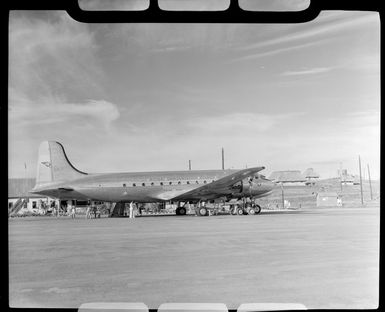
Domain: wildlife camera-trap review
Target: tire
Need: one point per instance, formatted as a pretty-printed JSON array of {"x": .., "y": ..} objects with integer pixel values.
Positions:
[
  {"x": 182, "y": 211},
  {"x": 177, "y": 211},
  {"x": 251, "y": 211},
  {"x": 257, "y": 209},
  {"x": 202, "y": 211},
  {"x": 239, "y": 211}
]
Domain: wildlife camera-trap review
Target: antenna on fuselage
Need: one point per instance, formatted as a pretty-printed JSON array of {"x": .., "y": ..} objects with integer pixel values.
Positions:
[{"x": 189, "y": 164}]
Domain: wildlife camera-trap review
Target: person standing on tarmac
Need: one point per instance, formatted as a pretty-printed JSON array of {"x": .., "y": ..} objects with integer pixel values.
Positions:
[
  {"x": 94, "y": 208},
  {"x": 131, "y": 215},
  {"x": 73, "y": 212},
  {"x": 88, "y": 212}
]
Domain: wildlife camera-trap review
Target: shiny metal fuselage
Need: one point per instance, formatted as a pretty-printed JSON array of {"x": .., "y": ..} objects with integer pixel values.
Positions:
[{"x": 150, "y": 186}]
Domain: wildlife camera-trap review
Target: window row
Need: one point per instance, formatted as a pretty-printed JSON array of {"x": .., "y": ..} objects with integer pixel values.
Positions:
[{"x": 166, "y": 183}]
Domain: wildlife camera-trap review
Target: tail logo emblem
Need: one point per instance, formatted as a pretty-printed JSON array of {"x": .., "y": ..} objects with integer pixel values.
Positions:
[{"x": 46, "y": 163}]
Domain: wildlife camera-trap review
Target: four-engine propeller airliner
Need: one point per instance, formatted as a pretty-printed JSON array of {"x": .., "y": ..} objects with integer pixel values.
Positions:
[{"x": 58, "y": 178}]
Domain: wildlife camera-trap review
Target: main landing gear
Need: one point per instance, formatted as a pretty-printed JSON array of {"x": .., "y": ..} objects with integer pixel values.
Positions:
[
  {"x": 181, "y": 210},
  {"x": 201, "y": 210},
  {"x": 245, "y": 207}
]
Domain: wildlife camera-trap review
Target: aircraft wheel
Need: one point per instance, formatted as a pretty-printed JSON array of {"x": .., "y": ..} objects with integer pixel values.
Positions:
[
  {"x": 202, "y": 211},
  {"x": 177, "y": 211},
  {"x": 239, "y": 211},
  {"x": 182, "y": 211},
  {"x": 257, "y": 209},
  {"x": 251, "y": 211}
]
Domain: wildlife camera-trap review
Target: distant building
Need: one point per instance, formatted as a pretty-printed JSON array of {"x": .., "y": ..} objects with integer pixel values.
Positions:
[
  {"x": 311, "y": 176},
  {"x": 327, "y": 199},
  {"x": 19, "y": 198},
  {"x": 348, "y": 179},
  {"x": 288, "y": 177}
]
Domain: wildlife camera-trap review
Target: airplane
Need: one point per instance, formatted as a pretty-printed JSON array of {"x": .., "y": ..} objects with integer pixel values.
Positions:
[{"x": 58, "y": 178}]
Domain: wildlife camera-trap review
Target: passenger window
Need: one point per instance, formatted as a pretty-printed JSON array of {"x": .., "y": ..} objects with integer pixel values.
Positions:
[
  {"x": 196, "y": 182},
  {"x": 143, "y": 184},
  {"x": 170, "y": 183},
  {"x": 161, "y": 183},
  {"x": 152, "y": 183},
  {"x": 204, "y": 182},
  {"x": 179, "y": 182},
  {"x": 133, "y": 184},
  {"x": 124, "y": 184},
  {"x": 188, "y": 182}
]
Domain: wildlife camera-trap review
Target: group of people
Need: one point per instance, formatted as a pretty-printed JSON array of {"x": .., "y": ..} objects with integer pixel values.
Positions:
[{"x": 92, "y": 210}]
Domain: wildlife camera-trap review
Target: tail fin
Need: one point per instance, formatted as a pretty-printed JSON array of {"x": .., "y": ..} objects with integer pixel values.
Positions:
[{"x": 53, "y": 165}]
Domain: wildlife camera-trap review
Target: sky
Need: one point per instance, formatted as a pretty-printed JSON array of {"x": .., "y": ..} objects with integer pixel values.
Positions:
[{"x": 150, "y": 97}]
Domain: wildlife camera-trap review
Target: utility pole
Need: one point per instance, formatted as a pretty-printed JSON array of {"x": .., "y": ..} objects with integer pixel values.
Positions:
[
  {"x": 25, "y": 184},
  {"x": 283, "y": 197},
  {"x": 223, "y": 159},
  {"x": 362, "y": 196},
  {"x": 341, "y": 176},
  {"x": 370, "y": 184},
  {"x": 189, "y": 165},
  {"x": 25, "y": 179}
]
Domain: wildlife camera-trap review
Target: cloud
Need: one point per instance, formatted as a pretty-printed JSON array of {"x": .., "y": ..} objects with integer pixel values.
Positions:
[
  {"x": 55, "y": 73},
  {"x": 316, "y": 29},
  {"x": 317, "y": 32},
  {"x": 52, "y": 57},
  {"x": 48, "y": 110},
  {"x": 275, "y": 51},
  {"x": 236, "y": 124},
  {"x": 316, "y": 70}
]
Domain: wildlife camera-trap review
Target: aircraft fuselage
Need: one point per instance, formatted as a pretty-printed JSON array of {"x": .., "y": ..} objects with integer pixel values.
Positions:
[{"x": 152, "y": 186}]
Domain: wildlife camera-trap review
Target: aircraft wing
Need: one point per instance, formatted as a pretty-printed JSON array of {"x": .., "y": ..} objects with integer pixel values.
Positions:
[{"x": 217, "y": 185}]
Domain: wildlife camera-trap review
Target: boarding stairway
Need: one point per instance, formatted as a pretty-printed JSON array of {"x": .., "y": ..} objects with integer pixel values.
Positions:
[
  {"x": 117, "y": 210},
  {"x": 16, "y": 207}
]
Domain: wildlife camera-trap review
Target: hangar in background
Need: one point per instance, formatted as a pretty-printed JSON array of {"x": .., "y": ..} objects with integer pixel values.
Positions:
[
  {"x": 290, "y": 177},
  {"x": 311, "y": 176},
  {"x": 19, "y": 198}
]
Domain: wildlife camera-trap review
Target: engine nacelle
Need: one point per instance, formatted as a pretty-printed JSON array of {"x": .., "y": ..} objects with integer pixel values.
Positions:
[
  {"x": 255, "y": 187},
  {"x": 252, "y": 187},
  {"x": 248, "y": 187}
]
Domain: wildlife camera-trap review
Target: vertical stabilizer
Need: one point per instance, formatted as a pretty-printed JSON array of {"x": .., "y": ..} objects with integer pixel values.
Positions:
[{"x": 53, "y": 165}]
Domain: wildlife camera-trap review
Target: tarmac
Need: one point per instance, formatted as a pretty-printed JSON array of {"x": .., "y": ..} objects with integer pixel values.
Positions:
[{"x": 322, "y": 258}]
